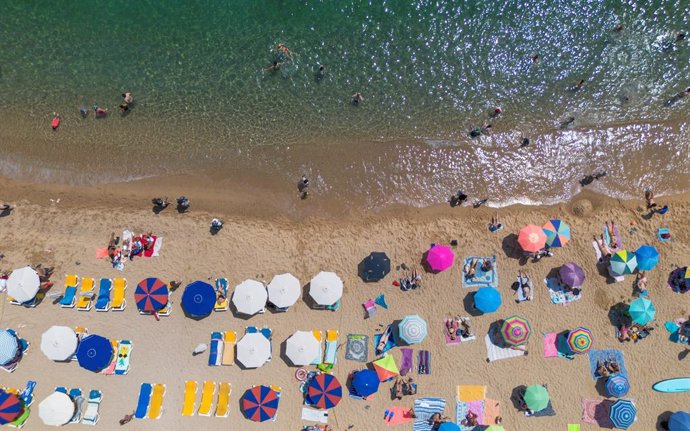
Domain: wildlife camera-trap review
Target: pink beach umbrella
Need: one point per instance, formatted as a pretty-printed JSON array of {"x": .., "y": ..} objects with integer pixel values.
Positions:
[
  {"x": 440, "y": 257},
  {"x": 532, "y": 238}
]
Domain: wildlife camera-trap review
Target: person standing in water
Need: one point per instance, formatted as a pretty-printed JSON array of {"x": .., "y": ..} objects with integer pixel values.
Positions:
[
  {"x": 357, "y": 98},
  {"x": 55, "y": 122},
  {"x": 302, "y": 187}
]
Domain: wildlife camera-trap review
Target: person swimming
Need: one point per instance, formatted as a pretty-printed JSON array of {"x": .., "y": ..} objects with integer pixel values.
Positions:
[
  {"x": 55, "y": 122},
  {"x": 83, "y": 111},
  {"x": 576, "y": 87},
  {"x": 100, "y": 111},
  {"x": 678, "y": 96},
  {"x": 357, "y": 98}
]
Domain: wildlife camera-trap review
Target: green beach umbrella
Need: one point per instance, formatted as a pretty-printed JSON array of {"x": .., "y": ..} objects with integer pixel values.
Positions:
[
  {"x": 495, "y": 428},
  {"x": 642, "y": 311},
  {"x": 536, "y": 398},
  {"x": 623, "y": 262}
]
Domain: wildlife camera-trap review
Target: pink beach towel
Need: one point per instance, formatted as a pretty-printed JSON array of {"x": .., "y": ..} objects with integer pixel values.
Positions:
[
  {"x": 149, "y": 252},
  {"x": 477, "y": 407},
  {"x": 550, "y": 349},
  {"x": 597, "y": 412},
  {"x": 401, "y": 415},
  {"x": 102, "y": 253},
  {"x": 491, "y": 412}
]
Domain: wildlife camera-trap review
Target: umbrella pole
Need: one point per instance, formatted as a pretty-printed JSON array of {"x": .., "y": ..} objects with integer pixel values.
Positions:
[{"x": 155, "y": 314}]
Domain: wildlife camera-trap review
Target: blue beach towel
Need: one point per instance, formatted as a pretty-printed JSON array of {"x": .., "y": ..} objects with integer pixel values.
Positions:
[
  {"x": 144, "y": 399},
  {"x": 606, "y": 355},
  {"x": 663, "y": 231},
  {"x": 389, "y": 345},
  {"x": 558, "y": 293},
  {"x": 424, "y": 408},
  {"x": 480, "y": 278}
]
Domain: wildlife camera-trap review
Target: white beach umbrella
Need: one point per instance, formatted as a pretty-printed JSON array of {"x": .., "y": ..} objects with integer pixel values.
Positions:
[
  {"x": 250, "y": 297},
  {"x": 326, "y": 288},
  {"x": 302, "y": 348},
  {"x": 284, "y": 290},
  {"x": 56, "y": 409},
  {"x": 253, "y": 350},
  {"x": 23, "y": 284},
  {"x": 59, "y": 343}
]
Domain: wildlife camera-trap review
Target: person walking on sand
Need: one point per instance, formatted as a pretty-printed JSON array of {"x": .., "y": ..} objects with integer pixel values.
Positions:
[{"x": 649, "y": 197}]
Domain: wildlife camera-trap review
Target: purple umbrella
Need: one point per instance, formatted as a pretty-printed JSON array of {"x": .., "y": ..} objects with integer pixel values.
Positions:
[{"x": 572, "y": 275}]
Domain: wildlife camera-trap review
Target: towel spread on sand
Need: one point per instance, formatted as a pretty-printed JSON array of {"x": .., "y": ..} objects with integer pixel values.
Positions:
[
  {"x": 495, "y": 353},
  {"x": 407, "y": 361},
  {"x": 607, "y": 238},
  {"x": 461, "y": 409},
  {"x": 492, "y": 411},
  {"x": 424, "y": 408},
  {"x": 480, "y": 278},
  {"x": 157, "y": 246},
  {"x": 312, "y": 415},
  {"x": 102, "y": 253},
  {"x": 597, "y": 412},
  {"x": 398, "y": 415},
  {"x": 550, "y": 349},
  {"x": 469, "y": 393},
  {"x": 558, "y": 293},
  {"x": 357, "y": 348},
  {"x": 606, "y": 355},
  {"x": 458, "y": 339},
  {"x": 149, "y": 252}
]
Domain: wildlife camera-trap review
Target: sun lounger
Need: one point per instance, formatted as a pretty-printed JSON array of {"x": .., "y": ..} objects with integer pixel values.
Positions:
[
  {"x": 124, "y": 352},
  {"x": 69, "y": 299},
  {"x": 406, "y": 362},
  {"x": 311, "y": 415},
  {"x": 222, "y": 289},
  {"x": 208, "y": 392},
  {"x": 369, "y": 308},
  {"x": 278, "y": 390},
  {"x": 119, "y": 287},
  {"x": 144, "y": 400},
  {"x": 267, "y": 333},
  {"x": 229, "y": 341},
  {"x": 165, "y": 311},
  {"x": 85, "y": 294},
  {"x": 77, "y": 397},
  {"x": 189, "y": 403},
  {"x": 251, "y": 330},
  {"x": 330, "y": 356},
  {"x": 156, "y": 404},
  {"x": 216, "y": 350},
  {"x": 71, "y": 280},
  {"x": 91, "y": 415},
  {"x": 61, "y": 389},
  {"x": 103, "y": 301},
  {"x": 110, "y": 369},
  {"x": 27, "y": 394},
  {"x": 319, "y": 337},
  {"x": 223, "y": 403},
  {"x": 21, "y": 420}
]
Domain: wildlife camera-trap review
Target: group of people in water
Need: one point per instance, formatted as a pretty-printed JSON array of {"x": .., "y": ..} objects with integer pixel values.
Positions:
[{"x": 98, "y": 110}]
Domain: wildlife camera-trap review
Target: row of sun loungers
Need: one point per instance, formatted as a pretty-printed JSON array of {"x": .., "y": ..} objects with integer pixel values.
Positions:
[
  {"x": 208, "y": 394},
  {"x": 81, "y": 293},
  {"x": 150, "y": 403}
]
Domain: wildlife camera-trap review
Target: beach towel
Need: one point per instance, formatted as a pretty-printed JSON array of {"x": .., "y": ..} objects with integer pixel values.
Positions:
[
  {"x": 597, "y": 412},
  {"x": 461, "y": 409},
  {"x": 480, "y": 278},
  {"x": 124, "y": 352},
  {"x": 558, "y": 293},
  {"x": 573, "y": 427},
  {"x": 495, "y": 353},
  {"x": 357, "y": 348},
  {"x": 424, "y": 362},
  {"x": 550, "y": 348},
  {"x": 492, "y": 411},
  {"x": 606, "y": 355},
  {"x": 521, "y": 282},
  {"x": 397, "y": 415},
  {"x": 406, "y": 363},
  {"x": 126, "y": 242},
  {"x": 424, "y": 408},
  {"x": 102, "y": 253},
  {"x": 311, "y": 415},
  {"x": 381, "y": 301},
  {"x": 149, "y": 252},
  {"x": 663, "y": 234},
  {"x": 389, "y": 344},
  {"x": 458, "y": 338},
  {"x": 607, "y": 238},
  {"x": 468, "y": 393}
]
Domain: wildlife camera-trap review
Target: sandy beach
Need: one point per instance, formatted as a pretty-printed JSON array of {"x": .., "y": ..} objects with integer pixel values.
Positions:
[{"x": 258, "y": 241}]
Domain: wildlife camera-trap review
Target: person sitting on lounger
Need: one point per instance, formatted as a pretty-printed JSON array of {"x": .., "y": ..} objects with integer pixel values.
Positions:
[
  {"x": 471, "y": 419},
  {"x": 611, "y": 229},
  {"x": 603, "y": 248},
  {"x": 471, "y": 269}
]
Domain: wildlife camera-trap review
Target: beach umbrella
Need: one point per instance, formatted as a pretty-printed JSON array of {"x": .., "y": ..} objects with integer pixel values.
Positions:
[
  {"x": 375, "y": 266},
  {"x": 536, "y": 398},
  {"x": 580, "y": 340},
  {"x": 412, "y": 329},
  {"x": 647, "y": 257},
  {"x": 9, "y": 347},
  {"x": 557, "y": 233},
  {"x": 532, "y": 238},
  {"x": 495, "y": 428},
  {"x": 250, "y": 297},
  {"x": 94, "y": 353},
  {"x": 324, "y": 391},
  {"x": 59, "y": 343},
  {"x": 326, "y": 288},
  {"x": 198, "y": 299},
  {"x": 448, "y": 426},
  {"x": 365, "y": 382},
  {"x": 151, "y": 295},
  {"x": 440, "y": 257},
  {"x": 571, "y": 274},
  {"x": 386, "y": 368},
  {"x": 260, "y": 403},
  {"x": 302, "y": 348},
  {"x": 487, "y": 299},
  {"x": 679, "y": 421},
  {"x": 284, "y": 290},
  {"x": 515, "y": 330},
  {"x": 686, "y": 275},
  {"x": 10, "y": 407},
  {"x": 617, "y": 386},
  {"x": 623, "y": 262},
  {"x": 254, "y": 350},
  {"x": 56, "y": 409},
  {"x": 23, "y": 284},
  {"x": 642, "y": 311},
  {"x": 623, "y": 413}
]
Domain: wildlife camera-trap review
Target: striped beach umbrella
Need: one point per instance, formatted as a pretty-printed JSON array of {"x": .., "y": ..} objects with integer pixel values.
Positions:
[
  {"x": 151, "y": 295},
  {"x": 623, "y": 262},
  {"x": 412, "y": 329},
  {"x": 439, "y": 257},
  {"x": 260, "y": 403},
  {"x": 580, "y": 340},
  {"x": 532, "y": 238},
  {"x": 647, "y": 257},
  {"x": 623, "y": 413},
  {"x": 324, "y": 391},
  {"x": 617, "y": 386},
  {"x": 557, "y": 233},
  {"x": 9, "y": 347},
  {"x": 642, "y": 311},
  {"x": 487, "y": 299},
  {"x": 571, "y": 274},
  {"x": 515, "y": 330},
  {"x": 198, "y": 299},
  {"x": 536, "y": 398},
  {"x": 94, "y": 353},
  {"x": 10, "y": 407},
  {"x": 23, "y": 284}
]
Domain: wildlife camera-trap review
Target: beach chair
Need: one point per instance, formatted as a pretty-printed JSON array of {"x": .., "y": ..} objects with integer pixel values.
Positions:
[
  {"x": 369, "y": 308},
  {"x": 77, "y": 397},
  {"x": 277, "y": 390},
  {"x": 62, "y": 390},
  {"x": 85, "y": 294},
  {"x": 334, "y": 307},
  {"x": 144, "y": 400},
  {"x": 189, "y": 403},
  {"x": 91, "y": 415},
  {"x": 208, "y": 392},
  {"x": 71, "y": 280},
  {"x": 330, "y": 356},
  {"x": 319, "y": 336},
  {"x": 110, "y": 369},
  {"x": 27, "y": 394},
  {"x": 124, "y": 352},
  {"x": 222, "y": 289},
  {"x": 156, "y": 404},
  {"x": 266, "y": 332},
  {"x": 69, "y": 298},
  {"x": 223, "y": 403},
  {"x": 216, "y": 350},
  {"x": 165, "y": 311},
  {"x": 119, "y": 287},
  {"x": 229, "y": 341},
  {"x": 251, "y": 330},
  {"x": 103, "y": 301}
]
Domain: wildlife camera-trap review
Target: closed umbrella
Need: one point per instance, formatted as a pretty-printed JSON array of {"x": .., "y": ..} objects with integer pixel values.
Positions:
[
  {"x": 487, "y": 299},
  {"x": 94, "y": 353},
  {"x": 515, "y": 330},
  {"x": 557, "y": 233},
  {"x": 284, "y": 290},
  {"x": 253, "y": 350},
  {"x": 324, "y": 391},
  {"x": 647, "y": 257},
  {"x": 59, "y": 343},
  {"x": 260, "y": 403},
  {"x": 580, "y": 340},
  {"x": 10, "y": 407},
  {"x": 623, "y": 413},
  {"x": 642, "y": 311},
  {"x": 250, "y": 297},
  {"x": 365, "y": 383},
  {"x": 375, "y": 266},
  {"x": 617, "y": 386},
  {"x": 9, "y": 347},
  {"x": 623, "y": 262},
  {"x": 412, "y": 329},
  {"x": 56, "y": 409},
  {"x": 532, "y": 238},
  {"x": 440, "y": 257},
  {"x": 23, "y": 284},
  {"x": 302, "y": 348},
  {"x": 571, "y": 274},
  {"x": 536, "y": 398},
  {"x": 151, "y": 295},
  {"x": 679, "y": 421},
  {"x": 198, "y": 299},
  {"x": 326, "y": 288}
]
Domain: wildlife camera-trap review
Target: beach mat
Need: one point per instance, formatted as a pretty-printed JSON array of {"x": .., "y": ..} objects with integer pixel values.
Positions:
[
  {"x": 406, "y": 361},
  {"x": 495, "y": 353},
  {"x": 458, "y": 339},
  {"x": 102, "y": 253},
  {"x": 461, "y": 409},
  {"x": 596, "y": 412},
  {"x": 357, "y": 348},
  {"x": 424, "y": 408},
  {"x": 424, "y": 362},
  {"x": 480, "y": 278},
  {"x": 558, "y": 293},
  {"x": 312, "y": 415},
  {"x": 469, "y": 393},
  {"x": 550, "y": 348},
  {"x": 604, "y": 355},
  {"x": 389, "y": 344},
  {"x": 400, "y": 415}
]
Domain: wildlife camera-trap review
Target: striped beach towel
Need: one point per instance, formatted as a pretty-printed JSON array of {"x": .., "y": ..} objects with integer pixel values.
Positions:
[
  {"x": 495, "y": 353},
  {"x": 424, "y": 408}
]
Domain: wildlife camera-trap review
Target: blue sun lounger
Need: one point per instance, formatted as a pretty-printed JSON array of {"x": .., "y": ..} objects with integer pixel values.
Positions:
[
  {"x": 69, "y": 298},
  {"x": 144, "y": 399},
  {"x": 104, "y": 287},
  {"x": 216, "y": 350}
]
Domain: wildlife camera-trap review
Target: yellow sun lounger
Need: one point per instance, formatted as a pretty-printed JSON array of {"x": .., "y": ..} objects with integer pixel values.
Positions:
[
  {"x": 156, "y": 403},
  {"x": 85, "y": 293},
  {"x": 189, "y": 405},
  {"x": 119, "y": 287},
  {"x": 223, "y": 404},
  {"x": 208, "y": 392},
  {"x": 229, "y": 340},
  {"x": 71, "y": 280}
]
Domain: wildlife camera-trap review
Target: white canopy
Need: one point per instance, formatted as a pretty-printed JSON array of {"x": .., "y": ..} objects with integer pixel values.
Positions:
[
  {"x": 326, "y": 288},
  {"x": 253, "y": 350},
  {"x": 23, "y": 284},
  {"x": 302, "y": 348},
  {"x": 56, "y": 409},
  {"x": 250, "y": 297},
  {"x": 59, "y": 343},
  {"x": 284, "y": 290}
]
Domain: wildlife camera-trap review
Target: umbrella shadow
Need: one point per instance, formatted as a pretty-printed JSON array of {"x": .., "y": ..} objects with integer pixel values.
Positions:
[
  {"x": 236, "y": 314},
  {"x": 512, "y": 249},
  {"x": 307, "y": 299},
  {"x": 618, "y": 315},
  {"x": 516, "y": 397},
  {"x": 283, "y": 355},
  {"x": 6, "y": 212},
  {"x": 468, "y": 304},
  {"x": 600, "y": 386},
  {"x": 425, "y": 265},
  {"x": 662, "y": 421}
]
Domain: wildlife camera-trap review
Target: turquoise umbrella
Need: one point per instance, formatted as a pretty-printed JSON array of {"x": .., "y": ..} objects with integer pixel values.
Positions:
[{"x": 642, "y": 311}]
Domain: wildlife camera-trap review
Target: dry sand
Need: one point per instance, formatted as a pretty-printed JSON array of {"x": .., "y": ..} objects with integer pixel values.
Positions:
[{"x": 255, "y": 244}]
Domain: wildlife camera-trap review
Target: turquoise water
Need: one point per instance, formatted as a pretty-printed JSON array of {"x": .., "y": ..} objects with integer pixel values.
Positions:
[{"x": 429, "y": 72}]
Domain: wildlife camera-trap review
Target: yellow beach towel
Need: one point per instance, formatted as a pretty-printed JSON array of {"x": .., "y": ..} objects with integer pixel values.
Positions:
[{"x": 468, "y": 393}]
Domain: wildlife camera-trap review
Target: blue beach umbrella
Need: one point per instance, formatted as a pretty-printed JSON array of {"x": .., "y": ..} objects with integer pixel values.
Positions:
[
  {"x": 94, "y": 353},
  {"x": 448, "y": 426},
  {"x": 623, "y": 414},
  {"x": 365, "y": 383},
  {"x": 375, "y": 266},
  {"x": 679, "y": 421},
  {"x": 9, "y": 345},
  {"x": 487, "y": 299},
  {"x": 647, "y": 257},
  {"x": 617, "y": 386},
  {"x": 198, "y": 299},
  {"x": 642, "y": 311}
]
